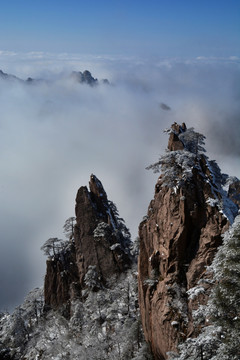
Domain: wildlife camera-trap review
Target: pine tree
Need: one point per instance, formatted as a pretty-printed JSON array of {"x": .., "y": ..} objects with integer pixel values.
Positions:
[
  {"x": 224, "y": 303},
  {"x": 220, "y": 339},
  {"x": 68, "y": 227},
  {"x": 52, "y": 247},
  {"x": 193, "y": 141},
  {"x": 176, "y": 166}
]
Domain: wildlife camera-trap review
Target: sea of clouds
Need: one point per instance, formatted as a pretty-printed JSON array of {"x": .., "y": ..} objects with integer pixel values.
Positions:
[{"x": 55, "y": 133}]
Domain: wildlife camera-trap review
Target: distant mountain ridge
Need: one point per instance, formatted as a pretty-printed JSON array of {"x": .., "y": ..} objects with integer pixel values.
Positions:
[{"x": 84, "y": 77}]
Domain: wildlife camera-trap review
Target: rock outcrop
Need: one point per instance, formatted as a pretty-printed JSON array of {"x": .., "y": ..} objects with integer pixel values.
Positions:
[
  {"x": 174, "y": 143},
  {"x": 234, "y": 190},
  {"x": 178, "y": 239},
  {"x": 84, "y": 77},
  {"x": 101, "y": 240},
  {"x": 5, "y": 76},
  {"x": 61, "y": 280}
]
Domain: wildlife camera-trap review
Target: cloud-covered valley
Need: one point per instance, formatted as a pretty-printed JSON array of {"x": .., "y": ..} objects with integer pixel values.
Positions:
[{"x": 55, "y": 133}]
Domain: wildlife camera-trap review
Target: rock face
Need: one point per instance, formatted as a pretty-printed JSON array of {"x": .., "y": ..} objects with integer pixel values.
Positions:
[
  {"x": 6, "y": 76},
  {"x": 178, "y": 239},
  {"x": 174, "y": 143},
  {"x": 234, "y": 190},
  {"x": 101, "y": 240},
  {"x": 62, "y": 279},
  {"x": 84, "y": 77}
]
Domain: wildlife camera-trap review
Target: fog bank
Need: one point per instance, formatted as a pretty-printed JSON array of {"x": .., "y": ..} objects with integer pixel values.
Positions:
[{"x": 55, "y": 133}]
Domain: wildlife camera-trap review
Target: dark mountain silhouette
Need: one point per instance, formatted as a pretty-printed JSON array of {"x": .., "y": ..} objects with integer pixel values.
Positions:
[{"x": 84, "y": 77}]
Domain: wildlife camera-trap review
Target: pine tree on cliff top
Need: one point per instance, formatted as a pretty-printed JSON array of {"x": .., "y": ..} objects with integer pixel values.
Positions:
[
  {"x": 193, "y": 141},
  {"x": 176, "y": 166}
]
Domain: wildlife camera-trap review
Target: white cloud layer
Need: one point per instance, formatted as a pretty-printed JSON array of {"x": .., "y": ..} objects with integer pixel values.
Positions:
[{"x": 54, "y": 134}]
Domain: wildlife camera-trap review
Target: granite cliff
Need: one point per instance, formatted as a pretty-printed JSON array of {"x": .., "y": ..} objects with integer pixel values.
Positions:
[
  {"x": 89, "y": 308},
  {"x": 101, "y": 240},
  {"x": 193, "y": 205}
]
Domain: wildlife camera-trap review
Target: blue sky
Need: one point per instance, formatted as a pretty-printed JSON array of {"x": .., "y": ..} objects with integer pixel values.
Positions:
[{"x": 183, "y": 28}]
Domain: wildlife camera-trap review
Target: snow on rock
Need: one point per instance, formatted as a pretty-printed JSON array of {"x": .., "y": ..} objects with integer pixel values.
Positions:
[
  {"x": 192, "y": 210},
  {"x": 97, "y": 231},
  {"x": 103, "y": 325}
]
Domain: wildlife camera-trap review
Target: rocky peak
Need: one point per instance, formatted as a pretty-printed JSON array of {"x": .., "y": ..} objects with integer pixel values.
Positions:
[
  {"x": 101, "y": 238},
  {"x": 96, "y": 188},
  {"x": 174, "y": 143},
  {"x": 2, "y": 74},
  {"x": 80, "y": 77},
  {"x": 98, "y": 194},
  {"x": 84, "y": 77},
  {"x": 6, "y": 76},
  {"x": 101, "y": 242},
  {"x": 179, "y": 238}
]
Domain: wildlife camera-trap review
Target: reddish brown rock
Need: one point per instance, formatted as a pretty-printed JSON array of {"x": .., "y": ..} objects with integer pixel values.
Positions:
[
  {"x": 174, "y": 143},
  {"x": 178, "y": 240},
  {"x": 92, "y": 209},
  {"x": 99, "y": 241},
  {"x": 62, "y": 279}
]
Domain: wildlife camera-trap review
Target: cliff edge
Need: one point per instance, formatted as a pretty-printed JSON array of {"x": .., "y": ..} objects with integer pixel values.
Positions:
[
  {"x": 193, "y": 205},
  {"x": 100, "y": 245}
]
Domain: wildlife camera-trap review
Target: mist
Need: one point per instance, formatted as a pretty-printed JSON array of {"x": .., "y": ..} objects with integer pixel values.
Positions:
[{"x": 55, "y": 133}]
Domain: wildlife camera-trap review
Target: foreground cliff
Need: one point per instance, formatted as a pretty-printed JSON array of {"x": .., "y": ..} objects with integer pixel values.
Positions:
[
  {"x": 89, "y": 308},
  {"x": 179, "y": 237},
  {"x": 100, "y": 240}
]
